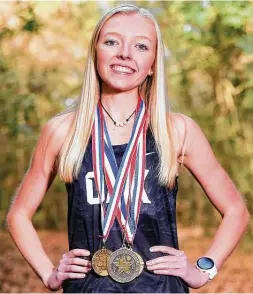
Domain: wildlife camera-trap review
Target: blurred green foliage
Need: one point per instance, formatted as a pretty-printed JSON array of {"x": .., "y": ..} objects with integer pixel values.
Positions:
[{"x": 209, "y": 67}]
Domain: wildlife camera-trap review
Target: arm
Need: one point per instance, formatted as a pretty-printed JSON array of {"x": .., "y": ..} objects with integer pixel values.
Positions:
[
  {"x": 196, "y": 154},
  {"x": 36, "y": 182},
  {"x": 201, "y": 162}
]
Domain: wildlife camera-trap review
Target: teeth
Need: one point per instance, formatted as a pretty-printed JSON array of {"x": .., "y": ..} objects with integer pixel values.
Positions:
[{"x": 122, "y": 69}]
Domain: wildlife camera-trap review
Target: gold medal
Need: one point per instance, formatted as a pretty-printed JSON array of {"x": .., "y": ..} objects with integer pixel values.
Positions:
[
  {"x": 100, "y": 261},
  {"x": 124, "y": 265}
]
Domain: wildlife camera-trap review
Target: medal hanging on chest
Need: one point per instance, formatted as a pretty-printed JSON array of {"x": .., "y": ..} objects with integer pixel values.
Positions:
[
  {"x": 100, "y": 261},
  {"x": 125, "y": 187}
]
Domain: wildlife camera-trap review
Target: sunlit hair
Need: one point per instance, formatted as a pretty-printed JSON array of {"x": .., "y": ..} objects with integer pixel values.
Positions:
[{"x": 152, "y": 90}]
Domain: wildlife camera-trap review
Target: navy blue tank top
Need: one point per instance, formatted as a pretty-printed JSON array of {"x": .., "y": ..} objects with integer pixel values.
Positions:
[{"x": 157, "y": 226}]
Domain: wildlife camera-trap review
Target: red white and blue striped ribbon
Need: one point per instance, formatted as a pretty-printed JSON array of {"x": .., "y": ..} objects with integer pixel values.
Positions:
[{"x": 125, "y": 184}]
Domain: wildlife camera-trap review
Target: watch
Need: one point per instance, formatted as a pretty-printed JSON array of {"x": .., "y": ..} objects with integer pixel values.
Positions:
[{"x": 207, "y": 265}]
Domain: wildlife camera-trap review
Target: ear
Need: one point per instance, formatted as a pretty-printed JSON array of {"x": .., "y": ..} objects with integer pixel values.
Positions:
[{"x": 150, "y": 72}]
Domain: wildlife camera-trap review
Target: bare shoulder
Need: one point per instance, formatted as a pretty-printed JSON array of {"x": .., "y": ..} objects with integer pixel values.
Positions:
[
  {"x": 59, "y": 125},
  {"x": 192, "y": 139},
  {"x": 181, "y": 124},
  {"x": 50, "y": 142},
  {"x": 56, "y": 129}
]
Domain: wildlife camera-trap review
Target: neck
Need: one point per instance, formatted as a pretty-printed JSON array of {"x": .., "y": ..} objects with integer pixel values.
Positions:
[{"x": 120, "y": 105}]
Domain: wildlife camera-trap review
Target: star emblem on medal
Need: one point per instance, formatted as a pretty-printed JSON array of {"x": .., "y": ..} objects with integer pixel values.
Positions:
[{"x": 124, "y": 263}]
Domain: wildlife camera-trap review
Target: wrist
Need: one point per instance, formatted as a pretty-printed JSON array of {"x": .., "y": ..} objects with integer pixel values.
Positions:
[
  {"x": 207, "y": 266},
  {"x": 204, "y": 275},
  {"x": 46, "y": 276}
]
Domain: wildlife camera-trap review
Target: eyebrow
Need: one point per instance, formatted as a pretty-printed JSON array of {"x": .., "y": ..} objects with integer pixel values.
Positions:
[{"x": 115, "y": 33}]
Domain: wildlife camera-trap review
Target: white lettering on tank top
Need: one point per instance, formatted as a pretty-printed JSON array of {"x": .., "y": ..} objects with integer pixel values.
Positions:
[{"x": 92, "y": 196}]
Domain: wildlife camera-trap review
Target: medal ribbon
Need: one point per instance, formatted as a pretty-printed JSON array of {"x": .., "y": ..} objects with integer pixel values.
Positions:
[
  {"x": 123, "y": 211},
  {"x": 122, "y": 181}
]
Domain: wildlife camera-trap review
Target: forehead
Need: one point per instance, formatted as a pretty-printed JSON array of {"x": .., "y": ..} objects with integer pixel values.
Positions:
[{"x": 130, "y": 25}]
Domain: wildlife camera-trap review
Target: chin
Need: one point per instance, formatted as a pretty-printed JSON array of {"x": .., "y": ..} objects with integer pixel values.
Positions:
[{"x": 120, "y": 87}]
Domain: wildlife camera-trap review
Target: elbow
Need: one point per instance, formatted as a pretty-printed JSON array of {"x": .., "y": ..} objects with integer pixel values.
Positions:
[
  {"x": 12, "y": 219},
  {"x": 246, "y": 215},
  {"x": 245, "y": 219},
  {"x": 9, "y": 221},
  {"x": 10, "y": 216},
  {"x": 242, "y": 215}
]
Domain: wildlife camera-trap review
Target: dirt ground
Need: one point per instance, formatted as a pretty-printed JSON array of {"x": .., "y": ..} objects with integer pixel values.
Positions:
[{"x": 235, "y": 276}]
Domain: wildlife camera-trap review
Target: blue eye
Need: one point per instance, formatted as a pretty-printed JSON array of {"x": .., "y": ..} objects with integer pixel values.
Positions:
[
  {"x": 109, "y": 41},
  {"x": 143, "y": 47}
]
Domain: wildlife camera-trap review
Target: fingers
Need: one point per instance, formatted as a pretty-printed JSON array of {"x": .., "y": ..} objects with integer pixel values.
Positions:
[
  {"x": 76, "y": 260},
  {"x": 73, "y": 269},
  {"x": 171, "y": 272},
  {"x": 167, "y": 262},
  {"x": 77, "y": 252},
  {"x": 166, "y": 249},
  {"x": 162, "y": 259},
  {"x": 73, "y": 266},
  {"x": 61, "y": 276},
  {"x": 175, "y": 263},
  {"x": 164, "y": 265}
]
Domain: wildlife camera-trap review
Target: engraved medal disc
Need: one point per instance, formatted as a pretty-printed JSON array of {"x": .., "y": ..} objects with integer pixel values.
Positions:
[
  {"x": 141, "y": 263},
  {"x": 100, "y": 261},
  {"x": 124, "y": 265}
]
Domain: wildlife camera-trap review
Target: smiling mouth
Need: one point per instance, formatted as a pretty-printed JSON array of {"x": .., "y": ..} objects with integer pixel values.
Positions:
[{"x": 122, "y": 69}]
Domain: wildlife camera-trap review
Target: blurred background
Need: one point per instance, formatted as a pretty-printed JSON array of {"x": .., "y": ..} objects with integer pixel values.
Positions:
[{"x": 209, "y": 59}]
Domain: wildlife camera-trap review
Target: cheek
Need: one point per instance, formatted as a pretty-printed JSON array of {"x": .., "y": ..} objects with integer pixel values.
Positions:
[
  {"x": 100, "y": 65},
  {"x": 103, "y": 61},
  {"x": 145, "y": 64}
]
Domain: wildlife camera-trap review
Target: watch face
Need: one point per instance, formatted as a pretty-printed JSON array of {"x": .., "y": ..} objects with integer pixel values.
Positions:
[{"x": 205, "y": 263}]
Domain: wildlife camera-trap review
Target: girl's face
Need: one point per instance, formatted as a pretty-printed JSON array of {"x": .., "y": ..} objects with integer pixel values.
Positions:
[{"x": 126, "y": 50}]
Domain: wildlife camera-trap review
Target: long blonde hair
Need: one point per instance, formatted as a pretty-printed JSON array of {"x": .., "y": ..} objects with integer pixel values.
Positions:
[{"x": 154, "y": 92}]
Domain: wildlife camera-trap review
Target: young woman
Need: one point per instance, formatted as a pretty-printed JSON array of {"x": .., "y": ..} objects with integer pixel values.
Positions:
[{"x": 119, "y": 151}]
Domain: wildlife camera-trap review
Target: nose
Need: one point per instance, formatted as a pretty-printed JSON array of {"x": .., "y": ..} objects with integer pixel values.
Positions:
[{"x": 124, "y": 53}]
